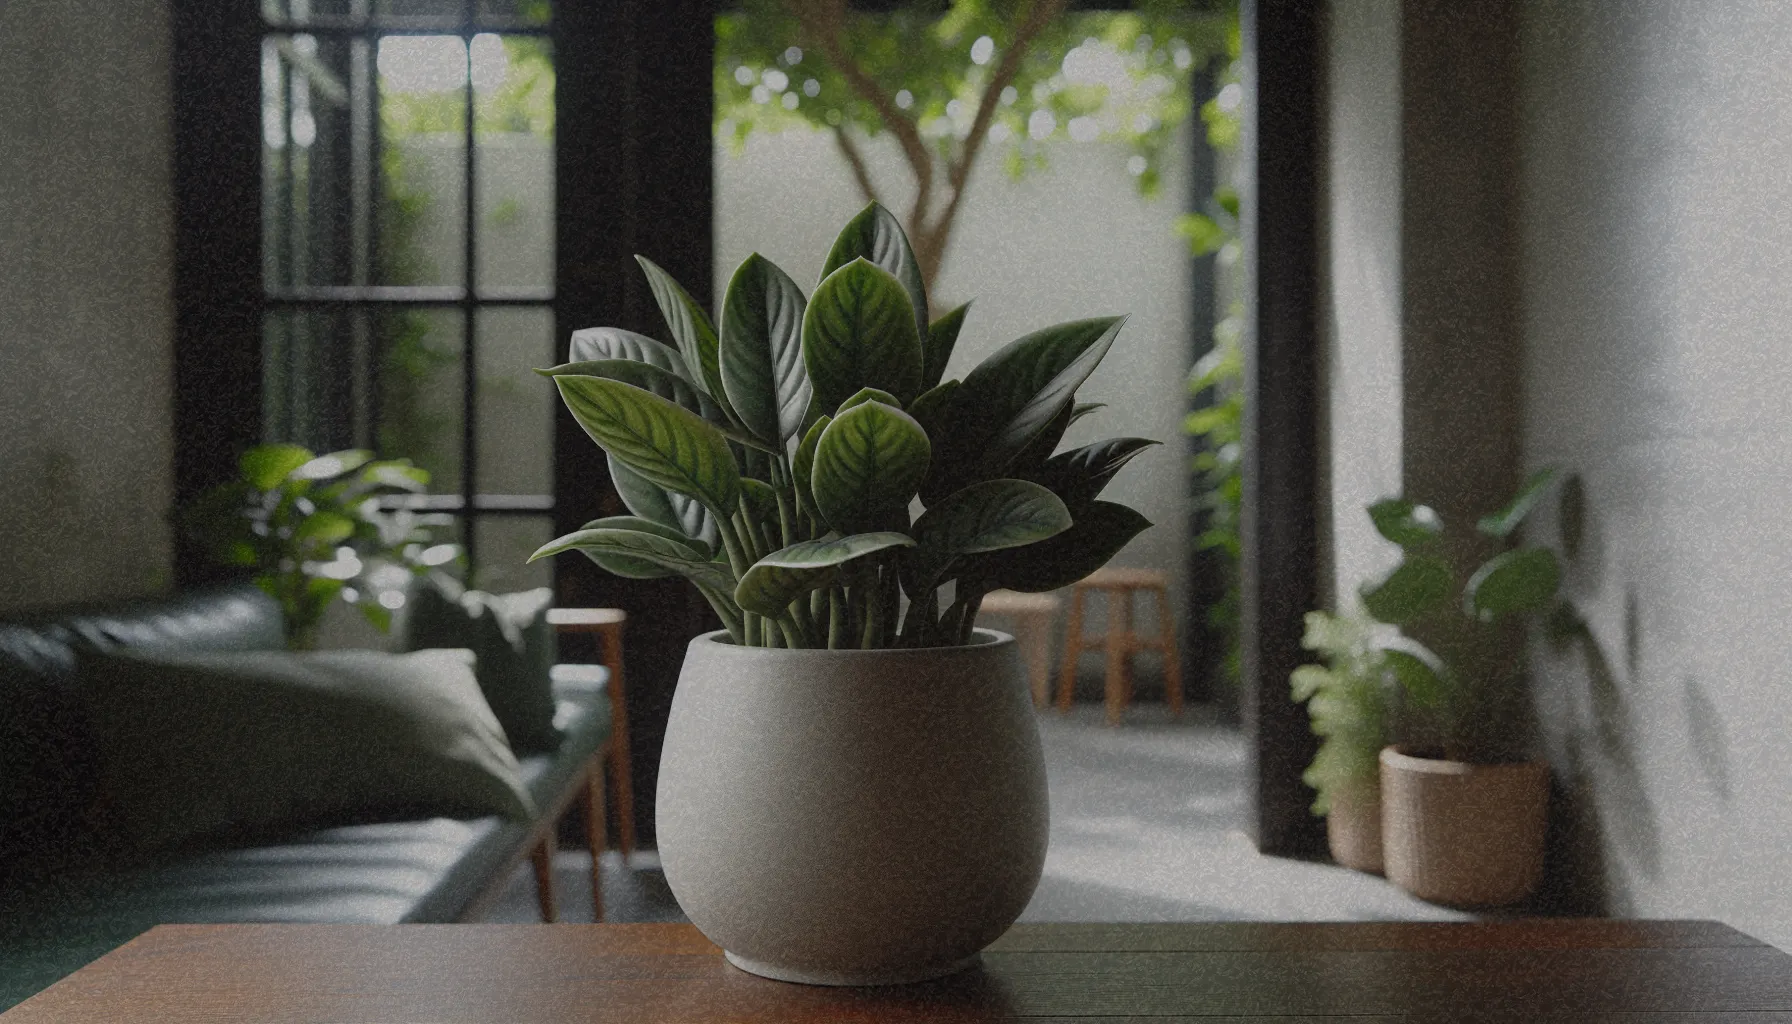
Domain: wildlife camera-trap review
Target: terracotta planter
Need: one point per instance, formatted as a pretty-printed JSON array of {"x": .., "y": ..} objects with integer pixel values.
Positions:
[
  {"x": 1353, "y": 827},
  {"x": 852, "y": 817},
  {"x": 1466, "y": 835}
]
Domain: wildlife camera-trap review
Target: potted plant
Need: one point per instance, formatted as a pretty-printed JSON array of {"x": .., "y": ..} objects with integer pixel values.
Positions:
[
  {"x": 1463, "y": 811},
  {"x": 1346, "y": 700},
  {"x": 851, "y": 789},
  {"x": 314, "y": 528}
]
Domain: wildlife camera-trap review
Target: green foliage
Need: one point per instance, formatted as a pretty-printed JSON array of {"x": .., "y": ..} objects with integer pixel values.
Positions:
[
  {"x": 1347, "y": 700},
  {"x": 816, "y": 542},
  {"x": 1219, "y": 476},
  {"x": 312, "y": 528},
  {"x": 1444, "y": 684}
]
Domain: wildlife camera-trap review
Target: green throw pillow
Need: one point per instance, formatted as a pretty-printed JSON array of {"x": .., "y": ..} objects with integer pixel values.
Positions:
[
  {"x": 514, "y": 646},
  {"x": 211, "y": 747}
]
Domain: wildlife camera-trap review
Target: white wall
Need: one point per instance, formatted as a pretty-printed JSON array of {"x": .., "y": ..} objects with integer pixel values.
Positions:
[
  {"x": 86, "y": 308},
  {"x": 1361, "y": 291},
  {"x": 1658, "y": 287},
  {"x": 1070, "y": 242}
]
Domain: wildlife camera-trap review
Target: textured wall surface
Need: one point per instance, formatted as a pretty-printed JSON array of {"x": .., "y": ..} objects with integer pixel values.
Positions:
[
  {"x": 86, "y": 313},
  {"x": 1073, "y": 241},
  {"x": 1362, "y": 312},
  {"x": 1658, "y": 289}
]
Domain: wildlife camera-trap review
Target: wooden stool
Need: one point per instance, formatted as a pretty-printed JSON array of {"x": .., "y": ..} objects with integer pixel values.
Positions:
[
  {"x": 607, "y": 623},
  {"x": 1120, "y": 641},
  {"x": 1032, "y": 616}
]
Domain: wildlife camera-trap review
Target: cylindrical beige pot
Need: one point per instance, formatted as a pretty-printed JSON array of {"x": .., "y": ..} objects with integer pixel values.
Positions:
[
  {"x": 1353, "y": 826},
  {"x": 1466, "y": 835},
  {"x": 852, "y": 817}
]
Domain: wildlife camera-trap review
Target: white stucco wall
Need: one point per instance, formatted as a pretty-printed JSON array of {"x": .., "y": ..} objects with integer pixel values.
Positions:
[
  {"x": 1658, "y": 290},
  {"x": 1073, "y": 241},
  {"x": 86, "y": 306}
]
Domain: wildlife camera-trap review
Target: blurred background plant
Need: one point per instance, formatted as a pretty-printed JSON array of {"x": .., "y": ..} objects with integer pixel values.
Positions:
[
  {"x": 948, "y": 80},
  {"x": 316, "y": 528},
  {"x": 1347, "y": 702}
]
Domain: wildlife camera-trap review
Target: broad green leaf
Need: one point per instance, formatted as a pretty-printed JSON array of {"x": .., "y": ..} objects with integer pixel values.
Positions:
[
  {"x": 333, "y": 464},
  {"x": 782, "y": 576},
  {"x": 942, "y": 338},
  {"x": 1014, "y": 394},
  {"x": 993, "y": 515},
  {"x": 647, "y": 377},
  {"x": 933, "y": 408},
  {"x": 868, "y": 395},
  {"x": 1507, "y": 520},
  {"x": 1081, "y": 409},
  {"x": 1044, "y": 443},
  {"x": 1416, "y": 586},
  {"x": 616, "y": 343},
  {"x": 324, "y": 527},
  {"x": 266, "y": 466},
  {"x": 660, "y": 552},
  {"x": 1418, "y": 671},
  {"x": 1513, "y": 581},
  {"x": 802, "y": 463},
  {"x": 876, "y": 236},
  {"x": 859, "y": 332},
  {"x": 762, "y": 350},
  {"x": 1098, "y": 534},
  {"x": 761, "y": 499},
  {"x": 670, "y": 509},
  {"x": 1222, "y": 365},
  {"x": 633, "y": 567},
  {"x": 868, "y": 464},
  {"x": 691, "y": 329},
  {"x": 664, "y": 442},
  {"x": 1079, "y": 475},
  {"x": 393, "y": 475},
  {"x": 1404, "y": 523}
]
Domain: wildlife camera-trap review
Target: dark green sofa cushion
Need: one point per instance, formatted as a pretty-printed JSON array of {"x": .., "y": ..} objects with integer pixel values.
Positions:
[
  {"x": 513, "y": 645},
  {"x": 206, "y": 748}
]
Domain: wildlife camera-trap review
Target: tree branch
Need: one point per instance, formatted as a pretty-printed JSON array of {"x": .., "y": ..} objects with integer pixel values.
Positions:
[
  {"x": 856, "y": 161},
  {"x": 825, "y": 23}
]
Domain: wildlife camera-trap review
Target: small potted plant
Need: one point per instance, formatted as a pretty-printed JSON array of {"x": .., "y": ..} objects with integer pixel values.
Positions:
[
  {"x": 313, "y": 529},
  {"x": 1463, "y": 810},
  {"x": 1347, "y": 701},
  {"x": 851, "y": 789}
]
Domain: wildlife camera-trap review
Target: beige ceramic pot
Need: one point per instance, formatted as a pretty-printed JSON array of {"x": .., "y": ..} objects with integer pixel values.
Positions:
[
  {"x": 852, "y": 817},
  {"x": 1353, "y": 826},
  {"x": 1466, "y": 835}
]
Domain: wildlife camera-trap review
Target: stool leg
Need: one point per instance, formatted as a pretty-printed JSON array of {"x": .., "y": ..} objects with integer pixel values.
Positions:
[
  {"x": 622, "y": 786},
  {"x": 594, "y": 832},
  {"x": 1073, "y": 650},
  {"x": 543, "y": 859},
  {"x": 1119, "y": 643},
  {"x": 1172, "y": 658}
]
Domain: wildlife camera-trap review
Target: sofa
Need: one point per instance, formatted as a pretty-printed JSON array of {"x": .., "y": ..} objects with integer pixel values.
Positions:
[{"x": 66, "y": 897}]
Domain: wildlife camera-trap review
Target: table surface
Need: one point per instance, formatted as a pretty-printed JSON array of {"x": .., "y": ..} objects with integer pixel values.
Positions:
[{"x": 1519, "y": 970}]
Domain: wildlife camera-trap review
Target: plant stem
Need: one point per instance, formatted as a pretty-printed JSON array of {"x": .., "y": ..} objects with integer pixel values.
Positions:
[{"x": 836, "y": 617}]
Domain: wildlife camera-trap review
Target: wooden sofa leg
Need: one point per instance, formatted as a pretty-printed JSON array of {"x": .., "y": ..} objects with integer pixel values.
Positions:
[
  {"x": 543, "y": 859},
  {"x": 594, "y": 832}
]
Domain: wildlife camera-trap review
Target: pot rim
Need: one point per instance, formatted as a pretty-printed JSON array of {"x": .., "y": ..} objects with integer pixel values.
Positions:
[
  {"x": 988, "y": 640},
  {"x": 1395, "y": 756}
]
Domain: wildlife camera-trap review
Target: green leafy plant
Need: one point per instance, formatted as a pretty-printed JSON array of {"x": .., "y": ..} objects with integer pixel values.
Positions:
[
  {"x": 1347, "y": 700},
  {"x": 313, "y": 528},
  {"x": 773, "y": 460},
  {"x": 1451, "y": 676}
]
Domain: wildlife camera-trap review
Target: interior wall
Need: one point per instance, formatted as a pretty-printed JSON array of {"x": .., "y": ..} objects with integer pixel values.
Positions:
[
  {"x": 1361, "y": 289},
  {"x": 86, "y": 309},
  {"x": 1657, "y": 226}
]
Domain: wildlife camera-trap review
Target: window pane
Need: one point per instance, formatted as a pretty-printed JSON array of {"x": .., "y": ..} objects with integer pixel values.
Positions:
[
  {"x": 513, "y": 89},
  {"x": 504, "y": 544},
  {"x": 420, "y": 389},
  {"x": 422, "y": 89},
  {"x": 420, "y": 13},
  {"x": 318, "y": 365},
  {"x": 516, "y": 406},
  {"x": 317, "y": 164},
  {"x": 507, "y": 13}
]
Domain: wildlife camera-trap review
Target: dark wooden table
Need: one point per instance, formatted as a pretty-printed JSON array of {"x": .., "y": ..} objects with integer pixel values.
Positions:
[{"x": 1638, "y": 972}]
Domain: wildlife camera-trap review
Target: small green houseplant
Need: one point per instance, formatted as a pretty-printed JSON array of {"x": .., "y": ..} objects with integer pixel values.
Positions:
[
  {"x": 1347, "y": 700},
  {"x": 773, "y": 460},
  {"x": 849, "y": 709},
  {"x": 313, "y": 529},
  {"x": 1463, "y": 816}
]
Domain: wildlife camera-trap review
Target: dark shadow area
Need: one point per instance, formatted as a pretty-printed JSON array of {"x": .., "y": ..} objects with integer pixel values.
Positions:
[{"x": 1705, "y": 731}]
